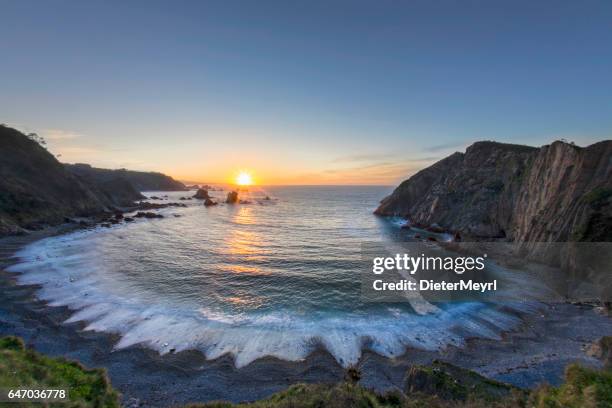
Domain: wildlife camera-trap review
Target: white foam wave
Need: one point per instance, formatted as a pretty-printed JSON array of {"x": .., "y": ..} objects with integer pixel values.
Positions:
[{"x": 68, "y": 276}]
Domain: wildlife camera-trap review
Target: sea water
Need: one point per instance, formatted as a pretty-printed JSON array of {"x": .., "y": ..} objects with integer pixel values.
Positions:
[{"x": 274, "y": 277}]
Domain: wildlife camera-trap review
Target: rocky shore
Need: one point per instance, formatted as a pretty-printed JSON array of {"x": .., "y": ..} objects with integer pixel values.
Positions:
[
  {"x": 37, "y": 191},
  {"x": 531, "y": 197},
  {"x": 537, "y": 352},
  {"x": 556, "y": 193},
  {"x": 42, "y": 197}
]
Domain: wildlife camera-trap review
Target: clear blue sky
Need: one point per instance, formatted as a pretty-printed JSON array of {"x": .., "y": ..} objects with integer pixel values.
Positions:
[{"x": 301, "y": 91}]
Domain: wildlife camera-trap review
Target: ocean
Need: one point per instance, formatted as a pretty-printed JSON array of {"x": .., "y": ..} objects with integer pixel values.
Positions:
[{"x": 274, "y": 277}]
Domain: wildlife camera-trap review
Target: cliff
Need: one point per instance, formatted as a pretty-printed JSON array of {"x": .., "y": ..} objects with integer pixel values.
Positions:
[
  {"x": 37, "y": 190},
  {"x": 140, "y": 180},
  {"x": 556, "y": 193}
]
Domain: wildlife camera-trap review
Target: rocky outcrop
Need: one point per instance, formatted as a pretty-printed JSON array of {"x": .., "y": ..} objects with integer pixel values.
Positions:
[
  {"x": 201, "y": 194},
  {"x": 232, "y": 197},
  {"x": 140, "y": 180},
  {"x": 602, "y": 350},
  {"x": 556, "y": 193},
  {"x": 531, "y": 197}
]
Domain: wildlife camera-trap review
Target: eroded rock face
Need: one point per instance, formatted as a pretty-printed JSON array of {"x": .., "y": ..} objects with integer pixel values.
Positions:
[{"x": 559, "y": 192}]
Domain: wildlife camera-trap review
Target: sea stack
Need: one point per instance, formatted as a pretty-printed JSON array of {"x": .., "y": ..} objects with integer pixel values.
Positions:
[
  {"x": 201, "y": 194},
  {"x": 232, "y": 197}
]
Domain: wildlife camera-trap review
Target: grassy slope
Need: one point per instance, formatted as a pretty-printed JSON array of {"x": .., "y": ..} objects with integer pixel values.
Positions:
[
  {"x": 437, "y": 386},
  {"x": 583, "y": 388},
  {"x": 23, "y": 368}
]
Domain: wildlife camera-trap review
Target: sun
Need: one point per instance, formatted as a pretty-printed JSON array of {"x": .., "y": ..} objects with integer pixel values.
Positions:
[{"x": 244, "y": 179}]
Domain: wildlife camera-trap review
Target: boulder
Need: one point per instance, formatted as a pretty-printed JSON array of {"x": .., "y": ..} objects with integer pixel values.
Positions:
[
  {"x": 232, "y": 197},
  {"x": 143, "y": 205},
  {"x": 201, "y": 194},
  {"x": 141, "y": 214},
  {"x": 602, "y": 350},
  {"x": 208, "y": 202}
]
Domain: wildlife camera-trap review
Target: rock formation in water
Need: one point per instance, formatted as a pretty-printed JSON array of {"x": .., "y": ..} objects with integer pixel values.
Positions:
[
  {"x": 201, "y": 194},
  {"x": 140, "y": 180},
  {"x": 556, "y": 193},
  {"x": 232, "y": 197}
]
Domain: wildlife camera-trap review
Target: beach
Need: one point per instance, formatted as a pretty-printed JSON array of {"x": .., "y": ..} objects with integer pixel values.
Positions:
[{"x": 535, "y": 352}]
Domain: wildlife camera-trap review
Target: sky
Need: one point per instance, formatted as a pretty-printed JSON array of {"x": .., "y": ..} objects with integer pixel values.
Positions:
[{"x": 302, "y": 92}]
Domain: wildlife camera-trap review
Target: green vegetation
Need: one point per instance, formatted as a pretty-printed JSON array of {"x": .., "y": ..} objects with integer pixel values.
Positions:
[
  {"x": 354, "y": 396},
  {"x": 318, "y": 395},
  {"x": 583, "y": 388},
  {"x": 23, "y": 368},
  {"x": 454, "y": 383},
  {"x": 439, "y": 385}
]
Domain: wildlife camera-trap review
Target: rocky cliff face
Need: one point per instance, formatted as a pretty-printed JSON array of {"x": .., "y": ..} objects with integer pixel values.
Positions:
[
  {"x": 556, "y": 193},
  {"x": 140, "y": 180},
  {"x": 36, "y": 190}
]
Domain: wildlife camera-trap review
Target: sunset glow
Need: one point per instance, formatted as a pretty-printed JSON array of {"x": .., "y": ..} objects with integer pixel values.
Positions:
[{"x": 244, "y": 179}]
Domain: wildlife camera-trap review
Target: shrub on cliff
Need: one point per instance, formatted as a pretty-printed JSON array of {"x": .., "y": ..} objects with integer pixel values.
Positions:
[
  {"x": 445, "y": 386},
  {"x": 583, "y": 388}
]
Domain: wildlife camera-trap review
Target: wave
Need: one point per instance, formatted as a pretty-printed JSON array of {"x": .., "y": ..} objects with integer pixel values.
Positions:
[{"x": 68, "y": 274}]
